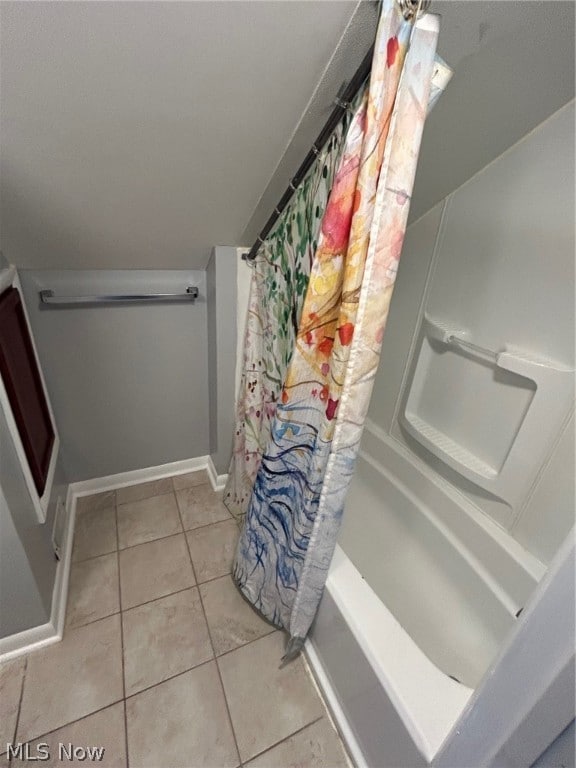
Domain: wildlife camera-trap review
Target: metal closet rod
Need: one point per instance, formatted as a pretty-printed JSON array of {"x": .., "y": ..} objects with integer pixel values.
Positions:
[
  {"x": 47, "y": 297},
  {"x": 410, "y": 9}
]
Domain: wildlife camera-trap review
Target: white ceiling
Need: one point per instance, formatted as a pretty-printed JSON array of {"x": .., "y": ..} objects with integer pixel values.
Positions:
[{"x": 138, "y": 135}]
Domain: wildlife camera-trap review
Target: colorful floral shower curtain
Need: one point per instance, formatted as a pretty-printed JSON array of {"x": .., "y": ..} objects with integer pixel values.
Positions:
[
  {"x": 295, "y": 509},
  {"x": 278, "y": 286}
]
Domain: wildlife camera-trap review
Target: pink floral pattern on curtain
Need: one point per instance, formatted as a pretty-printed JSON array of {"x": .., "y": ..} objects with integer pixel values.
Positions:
[
  {"x": 296, "y": 506},
  {"x": 277, "y": 289}
]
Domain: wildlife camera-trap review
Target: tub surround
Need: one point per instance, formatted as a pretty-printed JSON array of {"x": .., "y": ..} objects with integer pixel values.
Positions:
[
  {"x": 440, "y": 571},
  {"x": 383, "y": 674}
]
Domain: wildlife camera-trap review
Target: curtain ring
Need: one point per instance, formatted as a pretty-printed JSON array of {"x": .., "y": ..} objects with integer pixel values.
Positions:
[
  {"x": 315, "y": 150},
  {"x": 291, "y": 185},
  {"x": 411, "y": 9},
  {"x": 342, "y": 103}
]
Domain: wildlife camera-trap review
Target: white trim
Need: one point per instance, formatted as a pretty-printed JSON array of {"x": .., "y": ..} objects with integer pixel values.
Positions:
[
  {"x": 218, "y": 481},
  {"x": 10, "y": 278},
  {"x": 136, "y": 476},
  {"x": 7, "y": 276},
  {"x": 335, "y": 708},
  {"x": 52, "y": 632}
]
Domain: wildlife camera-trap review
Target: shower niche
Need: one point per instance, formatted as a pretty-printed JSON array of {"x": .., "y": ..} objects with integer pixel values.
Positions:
[
  {"x": 482, "y": 412},
  {"x": 482, "y": 325}
]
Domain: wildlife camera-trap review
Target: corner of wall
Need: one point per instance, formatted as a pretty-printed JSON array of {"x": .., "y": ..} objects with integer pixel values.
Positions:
[{"x": 221, "y": 273}]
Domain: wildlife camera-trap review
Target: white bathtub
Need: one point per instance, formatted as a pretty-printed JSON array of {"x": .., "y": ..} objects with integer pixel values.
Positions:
[{"x": 417, "y": 595}]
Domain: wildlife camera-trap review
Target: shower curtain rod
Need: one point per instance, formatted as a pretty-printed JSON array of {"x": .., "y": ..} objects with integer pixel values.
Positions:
[
  {"x": 409, "y": 8},
  {"x": 342, "y": 102}
]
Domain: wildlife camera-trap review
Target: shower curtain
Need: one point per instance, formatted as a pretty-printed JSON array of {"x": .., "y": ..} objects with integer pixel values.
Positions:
[
  {"x": 278, "y": 285},
  {"x": 297, "y": 501}
]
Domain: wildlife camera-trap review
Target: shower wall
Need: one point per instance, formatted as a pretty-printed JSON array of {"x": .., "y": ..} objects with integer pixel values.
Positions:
[{"x": 490, "y": 270}]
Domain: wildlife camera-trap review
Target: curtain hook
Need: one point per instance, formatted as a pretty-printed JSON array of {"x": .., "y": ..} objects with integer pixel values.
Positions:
[
  {"x": 412, "y": 9},
  {"x": 342, "y": 103}
]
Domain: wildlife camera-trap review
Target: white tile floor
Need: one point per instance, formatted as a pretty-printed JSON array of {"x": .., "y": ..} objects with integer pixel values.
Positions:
[{"x": 163, "y": 663}]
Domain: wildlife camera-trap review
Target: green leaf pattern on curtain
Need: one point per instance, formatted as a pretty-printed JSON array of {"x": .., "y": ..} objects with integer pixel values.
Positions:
[
  {"x": 279, "y": 281},
  {"x": 291, "y": 526}
]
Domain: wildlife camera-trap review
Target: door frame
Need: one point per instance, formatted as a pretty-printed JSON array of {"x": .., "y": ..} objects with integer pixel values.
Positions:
[{"x": 9, "y": 278}]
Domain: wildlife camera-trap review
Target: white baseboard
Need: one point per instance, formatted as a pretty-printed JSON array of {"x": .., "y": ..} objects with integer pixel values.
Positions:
[
  {"x": 135, "y": 476},
  {"x": 51, "y": 632},
  {"x": 323, "y": 681},
  {"x": 218, "y": 481}
]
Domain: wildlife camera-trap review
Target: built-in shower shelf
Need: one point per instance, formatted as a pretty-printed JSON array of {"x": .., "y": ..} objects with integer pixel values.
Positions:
[
  {"x": 483, "y": 410},
  {"x": 452, "y": 453}
]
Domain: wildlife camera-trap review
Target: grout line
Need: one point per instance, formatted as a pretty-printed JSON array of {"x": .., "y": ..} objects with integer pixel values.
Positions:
[
  {"x": 121, "y": 638},
  {"x": 195, "y": 485},
  {"x": 141, "y": 543},
  {"x": 91, "y": 557},
  {"x": 73, "y": 722},
  {"x": 160, "y": 597},
  {"x": 231, "y": 724},
  {"x": 160, "y": 538},
  {"x": 214, "y": 578},
  {"x": 20, "y": 699},
  {"x": 281, "y": 741},
  {"x": 173, "y": 489},
  {"x": 187, "y": 589},
  {"x": 327, "y": 710},
  {"x": 125, "y": 732},
  {"x": 68, "y": 628},
  {"x": 184, "y": 530},
  {"x": 214, "y": 657},
  {"x": 175, "y": 592},
  {"x": 250, "y": 642},
  {"x": 143, "y": 498},
  {"x": 168, "y": 679},
  {"x": 207, "y": 525}
]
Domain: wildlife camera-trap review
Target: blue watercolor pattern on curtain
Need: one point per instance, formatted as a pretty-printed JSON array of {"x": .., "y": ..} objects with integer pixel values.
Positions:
[{"x": 297, "y": 502}]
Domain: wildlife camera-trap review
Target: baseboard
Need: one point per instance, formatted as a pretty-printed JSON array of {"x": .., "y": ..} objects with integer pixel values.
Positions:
[
  {"x": 52, "y": 632},
  {"x": 331, "y": 699},
  {"x": 218, "y": 481},
  {"x": 135, "y": 476}
]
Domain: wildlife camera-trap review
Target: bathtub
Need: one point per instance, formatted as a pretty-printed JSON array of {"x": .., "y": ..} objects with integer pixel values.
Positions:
[{"x": 417, "y": 603}]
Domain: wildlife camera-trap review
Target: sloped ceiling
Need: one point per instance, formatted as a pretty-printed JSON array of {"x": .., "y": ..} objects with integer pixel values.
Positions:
[
  {"x": 139, "y": 134},
  {"x": 513, "y": 64}
]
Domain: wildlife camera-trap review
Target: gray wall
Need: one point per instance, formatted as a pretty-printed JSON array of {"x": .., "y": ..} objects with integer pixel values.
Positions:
[
  {"x": 561, "y": 753},
  {"x": 27, "y": 562},
  {"x": 222, "y": 340},
  {"x": 128, "y": 383}
]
